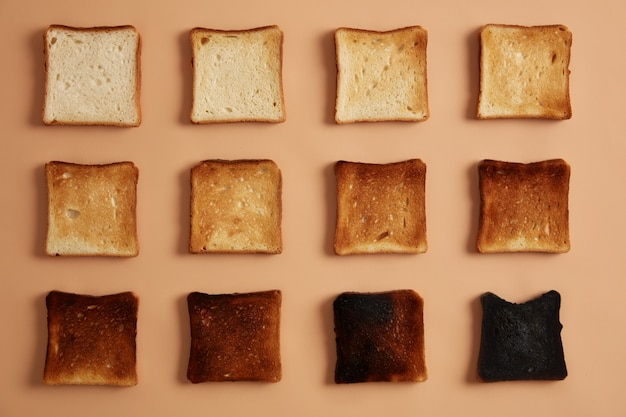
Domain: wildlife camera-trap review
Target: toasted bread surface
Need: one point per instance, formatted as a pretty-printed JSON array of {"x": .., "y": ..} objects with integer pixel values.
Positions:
[
  {"x": 237, "y": 75},
  {"x": 524, "y": 72},
  {"x": 235, "y": 337},
  {"x": 524, "y": 207},
  {"x": 379, "y": 337},
  {"x": 521, "y": 341},
  {"x": 380, "y": 207},
  {"x": 381, "y": 76},
  {"x": 92, "y": 209},
  {"x": 91, "y": 339},
  {"x": 92, "y": 76},
  {"x": 236, "y": 207}
]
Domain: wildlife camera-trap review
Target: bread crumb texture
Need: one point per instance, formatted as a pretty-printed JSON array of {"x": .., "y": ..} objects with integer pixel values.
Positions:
[
  {"x": 381, "y": 76},
  {"x": 524, "y": 207},
  {"x": 236, "y": 207},
  {"x": 91, "y": 339},
  {"x": 524, "y": 72},
  {"x": 235, "y": 337},
  {"x": 237, "y": 75},
  {"x": 381, "y": 208},
  {"x": 92, "y": 76},
  {"x": 379, "y": 337},
  {"x": 92, "y": 209}
]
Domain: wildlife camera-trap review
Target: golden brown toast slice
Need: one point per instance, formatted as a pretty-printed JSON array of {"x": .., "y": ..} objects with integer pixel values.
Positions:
[
  {"x": 236, "y": 207},
  {"x": 380, "y": 337},
  {"x": 524, "y": 207},
  {"x": 235, "y": 337},
  {"x": 524, "y": 72},
  {"x": 381, "y": 76},
  {"x": 380, "y": 207},
  {"x": 92, "y": 209},
  {"x": 91, "y": 339}
]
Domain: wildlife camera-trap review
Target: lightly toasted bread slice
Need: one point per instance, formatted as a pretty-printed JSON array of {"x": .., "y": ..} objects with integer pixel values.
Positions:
[
  {"x": 521, "y": 341},
  {"x": 381, "y": 208},
  {"x": 236, "y": 207},
  {"x": 92, "y": 209},
  {"x": 524, "y": 72},
  {"x": 381, "y": 76},
  {"x": 91, "y": 339},
  {"x": 237, "y": 75},
  {"x": 92, "y": 76},
  {"x": 235, "y": 337},
  {"x": 524, "y": 207},
  {"x": 379, "y": 337}
]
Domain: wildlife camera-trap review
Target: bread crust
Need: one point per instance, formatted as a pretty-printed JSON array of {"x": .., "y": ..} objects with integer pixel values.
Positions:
[
  {"x": 51, "y": 120},
  {"x": 524, "y": 72},
  {"x": 236, "y": 207},
  {"x": 381, "y": 208},
  {"x": 381, "y": 75},
  {"x": 209, "y": 105},
  {"x": 92, "y": 209},
  {"x": 91, "y": 339},
  {"x": 235, "y": 337},
  {"x": 524, "y": 207},
  {"x": 379, "y": 337}
]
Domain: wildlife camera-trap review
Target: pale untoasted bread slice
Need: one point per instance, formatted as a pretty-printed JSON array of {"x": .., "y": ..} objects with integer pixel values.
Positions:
[
  {"x": 91, "y": 339},
  {"x": 524, "y": 72},
  {"x": 521, "y": 341},
  {"x": 93, "y": 76},
  {"x": 236, "y": 207},
  {"x": 235, "y": 337},
  {"x": 381, "y": 76},
  {"x": 524, "y": 207},
  {"x": 92, "y": 209},
  {"x": 381, "y": 208},
  {"x": 380, "y": 337},
  {"x": 237, "y": 75}
]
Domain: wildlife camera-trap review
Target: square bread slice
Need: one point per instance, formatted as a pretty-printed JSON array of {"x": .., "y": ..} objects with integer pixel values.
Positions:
[
  {"x": 92, "y": 76},
  {"x": 236, "y": 207},
  {"x": 379, "y": 337},
  {"x": 235, "y": 337},
  {"x": 524, "y": 72},
  {"x": 521, "y": 341},
  {"x": 91, "y": 339},
  {"x": 523, "y": 207},
  {"x": 381, "y": 208},
  {"x": 237, "y": 75},
  {"x": 92, "y": 209},
  {"x": 381, "y": 76}
]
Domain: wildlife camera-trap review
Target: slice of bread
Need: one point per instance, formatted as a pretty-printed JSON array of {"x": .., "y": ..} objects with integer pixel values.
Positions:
[
  {"x": 381, "y": 208},
  {"x": 91, "y": 339},
  {"x": 524, "y": 72},
  {"x": 381, "y": 76},
  {"x": 380, "y": 337},
  {"x": 235, "y": 337},
  {"x": 521, "y": 341},
  {"x": 524, "y": 207},
  {"x": 237, "y": 75},
  {"x": 236, "y": 207},
  {"x": 92, "y": 76},
  {"x": 92, "y": 209}
]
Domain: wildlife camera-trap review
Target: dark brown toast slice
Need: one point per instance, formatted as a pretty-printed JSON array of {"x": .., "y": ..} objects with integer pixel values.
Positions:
[
  {"x": 236, "y": 207},
  {"x": 380, "y": 207},
  {"x": 521, "y": 341},
  {"x": 379, "y": 337},
  {"x": 91, "y": 339},
  {"x": 235, "y": 337},
  {"x": 524, "y": 207}
]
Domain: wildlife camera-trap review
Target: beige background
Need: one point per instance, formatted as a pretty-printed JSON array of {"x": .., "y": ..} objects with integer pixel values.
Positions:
[{"x": 450, "y": 277}]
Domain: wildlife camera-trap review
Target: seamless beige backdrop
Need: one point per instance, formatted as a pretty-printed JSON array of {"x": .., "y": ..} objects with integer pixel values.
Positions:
[{"x": 450, "y": 276}]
